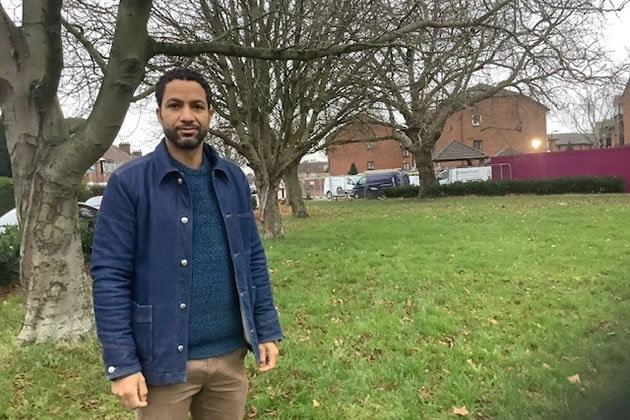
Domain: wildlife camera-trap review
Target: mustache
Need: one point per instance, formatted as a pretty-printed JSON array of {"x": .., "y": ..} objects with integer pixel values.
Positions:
[{"x": 187, "y": 127}]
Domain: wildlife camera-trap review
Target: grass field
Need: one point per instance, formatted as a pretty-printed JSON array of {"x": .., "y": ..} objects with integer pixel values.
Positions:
[{"x": 411, "y": 310}]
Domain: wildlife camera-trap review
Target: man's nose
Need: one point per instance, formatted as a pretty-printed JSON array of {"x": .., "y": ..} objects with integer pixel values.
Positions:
[{"x": 186, "y": 114}]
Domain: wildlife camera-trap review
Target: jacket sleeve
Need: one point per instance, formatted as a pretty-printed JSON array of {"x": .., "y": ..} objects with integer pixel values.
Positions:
[
  {"x": 113, "y": 260},
  {"x": 265, "y": 313}
]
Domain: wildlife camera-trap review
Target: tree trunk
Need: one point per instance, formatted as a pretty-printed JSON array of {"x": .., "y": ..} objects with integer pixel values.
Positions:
[
  {"x": 58, "y": 299},
  {"x": 424, "y": 162},
  {"x": 294, "y": 190},
  {"x": 269, "y": 207},
  {"x": 58, "y": 293}
]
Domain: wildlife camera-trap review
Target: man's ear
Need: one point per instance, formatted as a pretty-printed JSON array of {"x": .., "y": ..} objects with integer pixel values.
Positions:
[{"x": 158, "y": 114}]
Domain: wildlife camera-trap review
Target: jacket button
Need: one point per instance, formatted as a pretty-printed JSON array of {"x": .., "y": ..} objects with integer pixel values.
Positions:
[
  {"x": 111, "y": 369},
  {"x": 182, "y": 306},
  {"x": 180, "y": 181},
  {"x": 183, "y": 263},
  {"x": 180, "y": 348},
  {"x": 184, "y": 220}
]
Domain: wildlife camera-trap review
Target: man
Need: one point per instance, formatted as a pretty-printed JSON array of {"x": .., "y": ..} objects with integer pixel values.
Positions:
[{"x": 181, "y": 287}]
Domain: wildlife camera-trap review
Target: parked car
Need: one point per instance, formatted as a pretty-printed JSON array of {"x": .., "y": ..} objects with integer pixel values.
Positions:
[
  {"x": 94, "y": 201},
  {"x": 86, "y": 212},
  {"x": 373, "y": 184}
]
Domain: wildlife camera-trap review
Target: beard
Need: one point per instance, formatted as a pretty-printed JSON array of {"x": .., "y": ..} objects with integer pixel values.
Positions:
[{"x": 185, "y": 142}]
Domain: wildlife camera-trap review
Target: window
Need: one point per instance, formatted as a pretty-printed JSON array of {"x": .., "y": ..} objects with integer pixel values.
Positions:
[
  {"x": 405, "y": 153},
  {"x": 369, "y": 145},
  {"x": 361, "y": 181},
  {"x": 477, "y": 144},
  {"x": 370, "y": 164},
  {"x": 108, "y": 166},
  {"x": 406, "y": 166},
  {"x": 476, "y": 119}
]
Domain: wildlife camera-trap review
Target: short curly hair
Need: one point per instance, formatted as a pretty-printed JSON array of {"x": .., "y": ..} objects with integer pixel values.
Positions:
[{"x": 181, "y": 73}]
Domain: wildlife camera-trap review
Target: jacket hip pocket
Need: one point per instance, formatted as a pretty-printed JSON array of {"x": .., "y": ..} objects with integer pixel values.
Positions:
[{"x": 142, "y": 326}]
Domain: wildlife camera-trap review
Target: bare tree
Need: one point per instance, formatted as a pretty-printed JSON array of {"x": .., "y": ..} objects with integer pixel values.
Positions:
[
  {"x": 593, "y": 109},
  {"x": 279, "y": 110},
  {"x": 530, "y": 45},
  {"x": 50, "y": 152}
]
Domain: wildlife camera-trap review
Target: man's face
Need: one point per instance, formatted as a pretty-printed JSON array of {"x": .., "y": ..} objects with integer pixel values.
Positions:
[{"x": 184, "y": 114}]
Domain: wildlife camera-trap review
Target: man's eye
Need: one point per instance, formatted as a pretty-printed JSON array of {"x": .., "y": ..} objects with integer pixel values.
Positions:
[{"x": 173, "y": 105}]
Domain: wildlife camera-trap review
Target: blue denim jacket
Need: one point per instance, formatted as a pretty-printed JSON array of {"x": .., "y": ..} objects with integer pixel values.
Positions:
[{"x": 141, "y": 271}]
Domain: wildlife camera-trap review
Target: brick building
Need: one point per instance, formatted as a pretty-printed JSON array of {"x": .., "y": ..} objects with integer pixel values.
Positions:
[
  {"x": 366, "y": 155},
  {"x": 113, "y": 158},
  {"x": 569, "y": 141},
  {"x": 507, "y": 123}
]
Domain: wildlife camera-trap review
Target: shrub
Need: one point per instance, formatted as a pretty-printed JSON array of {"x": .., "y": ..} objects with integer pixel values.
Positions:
[
  {"x": 9, "y": 256},
  {"x": 542, "y": 186},
  {"x": 402, "y": 191},
  {"x": 7, "y": 195},
  {"x": 87, "y": 236},
  {"x": 97, "y": 190},
  {"x": 84, "y": 192},
  {"x": 88, "y": 191}
]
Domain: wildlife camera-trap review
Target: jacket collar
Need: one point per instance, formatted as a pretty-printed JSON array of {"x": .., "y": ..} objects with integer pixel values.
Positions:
[{"x": 165, "y": 166}]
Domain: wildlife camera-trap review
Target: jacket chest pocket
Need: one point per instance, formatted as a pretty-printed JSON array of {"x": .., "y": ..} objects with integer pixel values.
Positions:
[{"x": 142, "y": 316}]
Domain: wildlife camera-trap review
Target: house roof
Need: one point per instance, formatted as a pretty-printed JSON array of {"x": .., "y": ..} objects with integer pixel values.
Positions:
[
  {"x": 116, "y": 154},
  {"x": 563, "y": 139},
  {"x": 503, "y": 93},
  {"x": 313, "y": 167},
  {"x": 456, "y": 150}
]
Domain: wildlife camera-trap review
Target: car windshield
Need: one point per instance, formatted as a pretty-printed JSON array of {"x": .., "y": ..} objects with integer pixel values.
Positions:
[
  {"x": 361, "y": 181},
  {"x": 442, "y": 175},
  {"x": 94, "y": 201}
]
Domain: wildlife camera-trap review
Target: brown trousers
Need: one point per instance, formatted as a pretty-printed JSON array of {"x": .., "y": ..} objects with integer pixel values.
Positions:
[{"x": 216, "y": 390}]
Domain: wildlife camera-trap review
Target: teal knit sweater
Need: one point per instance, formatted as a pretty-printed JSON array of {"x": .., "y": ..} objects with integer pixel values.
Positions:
[{"x": 214, "y": 326}]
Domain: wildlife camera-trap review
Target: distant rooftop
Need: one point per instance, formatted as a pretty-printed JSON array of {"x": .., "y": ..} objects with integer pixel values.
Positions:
[
  {"x": 563, "y": 139},
  {"x": 456, "y": 150}
]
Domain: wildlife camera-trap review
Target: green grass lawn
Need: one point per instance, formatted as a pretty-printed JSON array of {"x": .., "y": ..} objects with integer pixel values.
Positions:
[{"x": 408, "y": 309}]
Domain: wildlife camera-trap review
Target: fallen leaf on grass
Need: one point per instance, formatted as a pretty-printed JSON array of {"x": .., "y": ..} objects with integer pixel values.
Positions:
[
  {"x": 460, "y": 411},
  {"x": 423, "y": 392},
  {"x": 316, "y": 403},
  {"x": 546, "y": 366},
  {"x": 253, "y": 412},
  {"x": 575, "y": 379}
]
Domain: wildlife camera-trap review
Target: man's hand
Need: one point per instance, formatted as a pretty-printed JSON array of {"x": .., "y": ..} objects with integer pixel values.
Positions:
[
  {"x": 131, "y": 390},
  {"x": 268, "y": 355}
]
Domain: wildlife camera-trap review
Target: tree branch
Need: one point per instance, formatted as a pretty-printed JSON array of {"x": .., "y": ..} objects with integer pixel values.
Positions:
[
  {"x": 89, "y": 47},
  {"x": 124, "y": 72},
  {"x": 307, "y": 54},
  {"x": 42, "y": 27},
  {"x": 11, "y": 49}
]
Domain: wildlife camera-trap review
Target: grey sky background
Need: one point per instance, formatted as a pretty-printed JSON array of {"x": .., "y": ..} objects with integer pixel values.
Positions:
[{"x": 140, "y": 127}]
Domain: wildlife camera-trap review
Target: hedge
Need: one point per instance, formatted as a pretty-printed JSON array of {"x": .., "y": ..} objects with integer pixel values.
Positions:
[{"x": 541, "y": 186}]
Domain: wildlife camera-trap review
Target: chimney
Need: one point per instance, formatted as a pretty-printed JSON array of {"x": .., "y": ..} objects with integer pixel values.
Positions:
[
  {"x": 125, "y": 147},
  {"x": 137, "y": 153}
]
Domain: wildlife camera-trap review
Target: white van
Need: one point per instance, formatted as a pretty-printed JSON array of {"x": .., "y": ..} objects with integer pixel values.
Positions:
[
  {"x": 339, "y": 186},
  {"x": 465, "y": 174}
]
